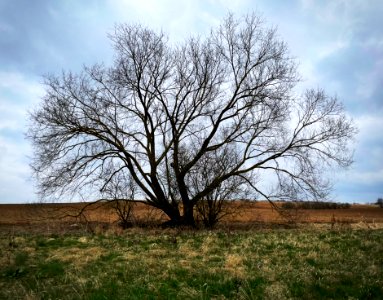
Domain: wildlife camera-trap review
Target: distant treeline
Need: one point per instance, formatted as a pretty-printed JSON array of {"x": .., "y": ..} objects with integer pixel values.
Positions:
[{"x": 315, "y": 205}]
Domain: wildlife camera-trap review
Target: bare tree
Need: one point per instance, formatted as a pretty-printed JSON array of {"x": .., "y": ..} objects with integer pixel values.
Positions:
[
  {"x": 121, "y": 192},
  {"x": 219, "y": 203},
  {"x": 216, "y": 205},
  {"x": 161, "y": 111}
]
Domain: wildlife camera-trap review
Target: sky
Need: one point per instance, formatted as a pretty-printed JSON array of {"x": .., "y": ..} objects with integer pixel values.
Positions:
[{"x": 337, "y": 43}]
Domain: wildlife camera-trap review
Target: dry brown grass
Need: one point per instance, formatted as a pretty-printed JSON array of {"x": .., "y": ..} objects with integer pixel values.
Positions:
[{"x": 56, "y": 217}]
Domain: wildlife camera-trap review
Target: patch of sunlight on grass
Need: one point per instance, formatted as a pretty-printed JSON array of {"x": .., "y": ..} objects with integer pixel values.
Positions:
[
  {"x": 78, "y": 256},
  {"x": 209, "y": 244},
  {"x": 234, "y": 265},
  {"x": 186, "y": 248},
  {"x": 276, "y": 291}
]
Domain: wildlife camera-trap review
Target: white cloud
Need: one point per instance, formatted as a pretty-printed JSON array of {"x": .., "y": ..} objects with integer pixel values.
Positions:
[
  {"x": 170, "y": 15},
  {"x": 179, "y": 19},
  {"x": 17, "y": 95},
  {"x": 370, "y": 128},
  {"x": 367, "y": 177},
  {"x": 332, "y": 48},
  {"x": 370, "y": 81},
  {"x": 15, "y": 174},
  {"x": 230, "y": 4},
  {"x": 18, "y": 82},
  {"x": 368, "y": 167}
]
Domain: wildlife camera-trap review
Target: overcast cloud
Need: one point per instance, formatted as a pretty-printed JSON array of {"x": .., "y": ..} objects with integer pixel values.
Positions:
[{"x": 338, "y": 43}]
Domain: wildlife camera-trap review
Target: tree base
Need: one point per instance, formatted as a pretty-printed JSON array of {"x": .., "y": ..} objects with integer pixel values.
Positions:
[{"x": 178, "y": 223}]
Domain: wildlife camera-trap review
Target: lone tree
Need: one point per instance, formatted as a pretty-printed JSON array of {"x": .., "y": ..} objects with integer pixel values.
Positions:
[{"x": 184, "y": 120}]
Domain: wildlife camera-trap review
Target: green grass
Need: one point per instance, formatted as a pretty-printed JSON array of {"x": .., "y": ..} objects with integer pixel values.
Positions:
[{"x": 268, "y": 264}]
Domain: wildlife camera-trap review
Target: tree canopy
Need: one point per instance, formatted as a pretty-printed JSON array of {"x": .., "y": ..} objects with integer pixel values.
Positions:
[{"x": 210, "y": 117}]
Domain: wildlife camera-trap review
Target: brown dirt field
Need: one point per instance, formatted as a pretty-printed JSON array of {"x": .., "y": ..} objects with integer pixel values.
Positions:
[
  {"x": 263, "y": 212},
  {"x": 55, "y": 216}
]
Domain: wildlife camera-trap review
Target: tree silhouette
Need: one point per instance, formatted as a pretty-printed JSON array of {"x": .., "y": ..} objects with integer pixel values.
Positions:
[{"x": 163, "y": 115}]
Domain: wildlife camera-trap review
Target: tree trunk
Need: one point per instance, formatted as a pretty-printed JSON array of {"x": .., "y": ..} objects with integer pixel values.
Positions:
[
  {"x": 174, "y": 216},
  {"x": 188, "y": 217}
]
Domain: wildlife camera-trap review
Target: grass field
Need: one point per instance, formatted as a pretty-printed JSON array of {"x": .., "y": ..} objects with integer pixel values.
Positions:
[
  {"x": 253, "y": 254},
  {"x": 305, "y": 263}
]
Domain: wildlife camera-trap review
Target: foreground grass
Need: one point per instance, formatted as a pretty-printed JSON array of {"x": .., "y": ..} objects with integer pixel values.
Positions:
[{"x": 271, "y": 264}]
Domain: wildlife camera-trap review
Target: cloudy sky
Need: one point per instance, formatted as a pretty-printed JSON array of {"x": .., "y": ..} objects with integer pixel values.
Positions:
[{"x": 338, "y": 43}]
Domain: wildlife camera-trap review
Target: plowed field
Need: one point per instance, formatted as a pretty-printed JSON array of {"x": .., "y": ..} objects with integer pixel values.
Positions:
[{"x": 53, "y": 216}]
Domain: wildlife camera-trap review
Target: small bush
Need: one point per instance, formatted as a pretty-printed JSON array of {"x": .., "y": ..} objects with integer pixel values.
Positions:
[
  {"x": 124, "y": 210},
  {"x": 289, "y": 205},
  {"x": 210, "y": 211}
]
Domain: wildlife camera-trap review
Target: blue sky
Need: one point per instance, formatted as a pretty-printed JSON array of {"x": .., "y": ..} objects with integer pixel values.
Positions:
[{"x": 338, "y": 44}]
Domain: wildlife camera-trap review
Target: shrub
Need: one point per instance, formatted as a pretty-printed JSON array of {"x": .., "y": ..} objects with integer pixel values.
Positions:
[
  {"x": 124, "y": 210},
  {"x": 289, "y": 205}
]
